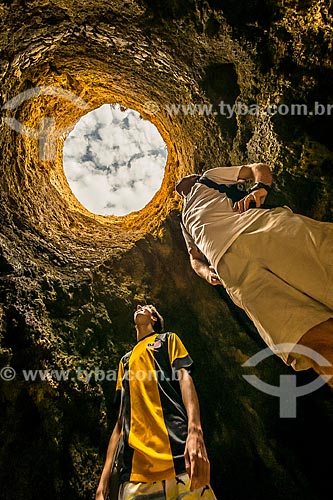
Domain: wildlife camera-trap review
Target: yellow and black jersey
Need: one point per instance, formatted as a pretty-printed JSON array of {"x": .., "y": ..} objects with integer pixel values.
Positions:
[{"x": 155, "y": 420}]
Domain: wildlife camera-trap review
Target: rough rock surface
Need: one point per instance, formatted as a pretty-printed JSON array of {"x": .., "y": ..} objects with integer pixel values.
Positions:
[{"x": 70, "y": 279}]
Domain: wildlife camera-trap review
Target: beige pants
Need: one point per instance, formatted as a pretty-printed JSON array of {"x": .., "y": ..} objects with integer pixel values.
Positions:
[
  {"x": 170, "y": 489},
  {"x": 280, "y": 271}
]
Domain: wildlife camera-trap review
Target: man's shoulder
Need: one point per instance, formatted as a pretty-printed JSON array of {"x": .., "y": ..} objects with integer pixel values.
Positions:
[
  {"x": 163, "y": 336},
  {"x": 167, "y": 337},
  {"x": 126, "y": 357},
  {"x": 171, "y": 337}
]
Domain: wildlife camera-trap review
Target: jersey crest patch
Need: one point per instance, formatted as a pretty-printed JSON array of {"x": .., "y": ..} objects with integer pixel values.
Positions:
[{"x": 154, "y": 345}]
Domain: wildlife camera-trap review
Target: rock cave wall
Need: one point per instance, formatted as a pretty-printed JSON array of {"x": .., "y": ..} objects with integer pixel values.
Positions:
[{"x": 70, "y": 279}]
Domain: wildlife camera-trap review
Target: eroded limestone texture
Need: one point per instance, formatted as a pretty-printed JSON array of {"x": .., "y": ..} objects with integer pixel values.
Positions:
[{"x": 69, "y": 279}]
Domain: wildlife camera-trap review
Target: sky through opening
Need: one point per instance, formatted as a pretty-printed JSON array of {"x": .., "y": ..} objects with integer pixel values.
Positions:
[{"x": 114, "y": 160}]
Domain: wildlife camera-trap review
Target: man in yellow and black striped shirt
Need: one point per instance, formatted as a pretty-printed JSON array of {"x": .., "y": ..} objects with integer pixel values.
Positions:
[{"x": 165, "y": 456}]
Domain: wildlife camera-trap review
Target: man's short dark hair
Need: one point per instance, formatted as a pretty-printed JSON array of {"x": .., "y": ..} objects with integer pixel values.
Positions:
[
  {"x": 159, "y": 323},
  {"x": 186, "y": 181}
]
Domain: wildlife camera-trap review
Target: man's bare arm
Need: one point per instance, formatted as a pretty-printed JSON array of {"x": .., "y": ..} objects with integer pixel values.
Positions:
[
  {"x": 103, "y": 486},
  {"x": 196, "y": 459},
  {"x": 259, "y": 172},
  {"x": 202, "y": 268}
]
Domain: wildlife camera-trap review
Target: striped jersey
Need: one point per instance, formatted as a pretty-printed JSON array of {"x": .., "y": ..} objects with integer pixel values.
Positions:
[{"x": 155, "y": 420}]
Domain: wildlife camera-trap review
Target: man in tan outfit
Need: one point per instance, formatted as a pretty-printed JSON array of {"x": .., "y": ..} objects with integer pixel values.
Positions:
[{"x": 276, "y": 265}]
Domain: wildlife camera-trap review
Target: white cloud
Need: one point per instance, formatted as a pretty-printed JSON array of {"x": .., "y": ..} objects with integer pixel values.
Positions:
[{"x": 114, "y": 160}]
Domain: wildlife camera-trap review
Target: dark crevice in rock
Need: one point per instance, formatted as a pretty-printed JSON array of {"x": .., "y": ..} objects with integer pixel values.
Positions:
[{"x": 222, "y": 90}]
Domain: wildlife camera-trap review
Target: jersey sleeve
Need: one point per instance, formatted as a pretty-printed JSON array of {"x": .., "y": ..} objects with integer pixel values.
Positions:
[
  {"x": 119, "y": 386},
  {"x": 178, "y": 355}
]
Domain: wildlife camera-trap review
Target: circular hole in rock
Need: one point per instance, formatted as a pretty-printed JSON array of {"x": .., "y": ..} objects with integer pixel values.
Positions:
[{"x": 114, "y": 160}]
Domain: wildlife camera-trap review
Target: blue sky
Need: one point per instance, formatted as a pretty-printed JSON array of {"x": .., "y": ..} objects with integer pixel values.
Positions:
[{"x": 114, "y": 160}]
